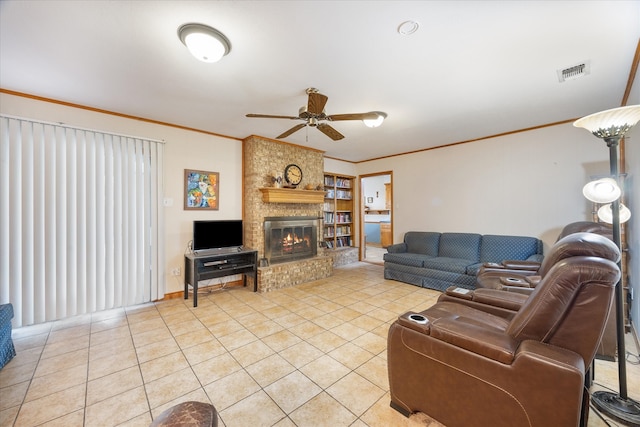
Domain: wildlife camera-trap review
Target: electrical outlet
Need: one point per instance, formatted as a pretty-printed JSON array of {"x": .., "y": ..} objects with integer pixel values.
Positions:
[{"x": 176, "y": 271}]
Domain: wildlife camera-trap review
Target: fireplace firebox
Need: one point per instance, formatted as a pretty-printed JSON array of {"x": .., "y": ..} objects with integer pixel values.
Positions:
[{"x": 290, "y": 238}]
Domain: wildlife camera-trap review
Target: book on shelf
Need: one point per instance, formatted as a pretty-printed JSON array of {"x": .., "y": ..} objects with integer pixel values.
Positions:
[
  {"x": 343, "y": 217},
  {"x": 343, "y": 182},
  {"x": 328, "y": 217},
  {"x": 343, "y": 194}
]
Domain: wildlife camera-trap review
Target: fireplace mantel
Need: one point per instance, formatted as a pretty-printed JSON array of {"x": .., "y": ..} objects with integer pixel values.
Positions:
[{"x": 291, "y": 195}]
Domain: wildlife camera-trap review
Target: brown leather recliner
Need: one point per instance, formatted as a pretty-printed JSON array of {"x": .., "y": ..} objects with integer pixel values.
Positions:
[
  {"x": 467, "y": 367},
  {"x": 512, "y": 276}
]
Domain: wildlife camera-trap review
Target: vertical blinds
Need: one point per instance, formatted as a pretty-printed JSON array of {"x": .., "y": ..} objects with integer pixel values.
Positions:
[{"x": 80, "y": 220}]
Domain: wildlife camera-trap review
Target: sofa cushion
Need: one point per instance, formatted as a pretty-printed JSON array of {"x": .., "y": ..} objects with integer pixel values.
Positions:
[
  {"x": 464, "y": 246},
  {"x": 454, "y": 265},
  {"x": 441, "y": 280},
  {"x": 499, "y": 248},
  {"x": 406, "y": 258},
  {"x": 422, "y": 242}
]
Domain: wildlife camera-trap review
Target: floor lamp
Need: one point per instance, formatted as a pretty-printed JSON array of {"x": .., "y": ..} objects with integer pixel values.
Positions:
[{"x": 612, "y": 125}]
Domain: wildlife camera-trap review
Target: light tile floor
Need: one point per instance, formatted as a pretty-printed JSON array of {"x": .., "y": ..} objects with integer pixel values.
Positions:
[
  {"x": 375, "y": 254},
  {"x": 310, "y": 355}
]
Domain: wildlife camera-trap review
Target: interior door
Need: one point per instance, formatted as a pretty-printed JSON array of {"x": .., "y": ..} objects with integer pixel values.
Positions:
[{"x": 376, "y": 223}]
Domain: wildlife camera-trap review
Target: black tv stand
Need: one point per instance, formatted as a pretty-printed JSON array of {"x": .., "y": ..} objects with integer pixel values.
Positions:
[{"x": 204, "y": 266}]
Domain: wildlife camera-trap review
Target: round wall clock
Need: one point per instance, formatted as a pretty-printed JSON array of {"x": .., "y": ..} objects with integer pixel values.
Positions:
[{"x": 293, "y": 174}]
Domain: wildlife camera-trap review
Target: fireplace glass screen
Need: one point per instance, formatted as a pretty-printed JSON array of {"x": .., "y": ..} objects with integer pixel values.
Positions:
[{"x": 290, "y": 238}]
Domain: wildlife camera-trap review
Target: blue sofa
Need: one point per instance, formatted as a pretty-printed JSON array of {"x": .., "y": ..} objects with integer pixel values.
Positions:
[
  {"x": 7, "y": 350},
  {"x": 440, "y": 260}
]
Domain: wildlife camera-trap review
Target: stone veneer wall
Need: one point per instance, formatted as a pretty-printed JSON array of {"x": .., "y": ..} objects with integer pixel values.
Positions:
[
  {"x": 262, "y": 157},
  {"x": 278, "y": 276},
  {"x": 341, "y": 256}
]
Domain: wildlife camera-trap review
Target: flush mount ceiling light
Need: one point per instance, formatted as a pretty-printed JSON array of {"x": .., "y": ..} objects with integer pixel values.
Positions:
[
  {"x": 408, "y": 27},
  {"x": 374, "y": 123},
  {"x": 205, "y": 43}
]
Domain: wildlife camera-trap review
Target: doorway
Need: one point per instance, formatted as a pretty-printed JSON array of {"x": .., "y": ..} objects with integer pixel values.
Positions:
[{"x": 376, "y": 206}]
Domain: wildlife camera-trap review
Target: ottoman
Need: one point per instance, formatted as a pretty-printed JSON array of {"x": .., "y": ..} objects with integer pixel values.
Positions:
[{"x": 188, "y": 414}]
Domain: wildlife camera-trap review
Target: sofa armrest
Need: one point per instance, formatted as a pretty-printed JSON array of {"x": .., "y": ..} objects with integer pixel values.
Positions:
[
  {"x": 397, "y": 248},
  {"x": 463, "y": 332},
  {"x": 536, "y": 258}
]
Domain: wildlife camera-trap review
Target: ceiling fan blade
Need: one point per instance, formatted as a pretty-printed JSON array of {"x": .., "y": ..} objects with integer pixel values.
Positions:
[
  {"x": 316, "y": 104},
  {"x": 292, "y": 130},
  {"x": 353, "y": 116},
  {"x": 330, "y": 132},
  {"x": 269, "y": 116}
]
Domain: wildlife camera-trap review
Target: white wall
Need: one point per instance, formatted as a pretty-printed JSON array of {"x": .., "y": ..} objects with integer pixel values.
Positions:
[
  {"x": 183, "y": 150},
  {"x": 339, "y": 167},
  {"x": 375, "y": 189},
  {"x": 528, "y": 183}
]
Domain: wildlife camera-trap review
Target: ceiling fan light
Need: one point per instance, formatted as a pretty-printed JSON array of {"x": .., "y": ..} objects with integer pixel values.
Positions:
[
  {"x": 605, "y": 214},
  {"x": 205, "y": 43},
  {"x": 374, "y": 123},
  {"x": 604, "y": 190}
]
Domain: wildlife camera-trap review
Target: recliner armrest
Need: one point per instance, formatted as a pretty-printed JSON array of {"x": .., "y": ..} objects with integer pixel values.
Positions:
[
  {"x": 499, "y": 298},
  {"x": 494, "y": 297},
  {"x": 517, "y": 289},
  {"x": 521, "y": 265},
  {"x": 463, "y": 332},
  {"x": 514, "y": 281},
  {"x": 502, "y": 269}
]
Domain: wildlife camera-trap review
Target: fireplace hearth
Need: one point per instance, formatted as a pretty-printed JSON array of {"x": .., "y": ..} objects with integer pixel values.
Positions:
[{"x": 290, "y": 238}]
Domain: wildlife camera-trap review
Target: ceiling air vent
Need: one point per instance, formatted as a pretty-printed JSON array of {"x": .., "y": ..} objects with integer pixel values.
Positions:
[{"x": 575, "y": 71}]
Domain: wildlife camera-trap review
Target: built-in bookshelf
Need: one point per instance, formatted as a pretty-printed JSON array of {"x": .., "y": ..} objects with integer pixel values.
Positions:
[{"x": 338, "y": 228}]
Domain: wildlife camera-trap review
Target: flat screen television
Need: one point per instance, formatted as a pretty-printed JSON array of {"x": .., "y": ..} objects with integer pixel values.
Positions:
[{"x": 217, "y": 234}]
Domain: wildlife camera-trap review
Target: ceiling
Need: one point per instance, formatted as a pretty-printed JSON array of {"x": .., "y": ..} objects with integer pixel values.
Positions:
[{"x": 473, "y": 68}]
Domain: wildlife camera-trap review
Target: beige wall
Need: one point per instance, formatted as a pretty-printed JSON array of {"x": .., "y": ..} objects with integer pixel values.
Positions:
[
  {"x": 528, "y": 183},
  {"x": 183, "y": 150}
]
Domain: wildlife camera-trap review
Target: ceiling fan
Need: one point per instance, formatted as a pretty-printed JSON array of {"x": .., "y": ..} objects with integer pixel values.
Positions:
[{"x": 313, "y": 114}]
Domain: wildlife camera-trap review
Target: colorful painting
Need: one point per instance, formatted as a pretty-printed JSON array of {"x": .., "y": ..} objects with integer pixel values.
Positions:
[{"x": 201, "y": 190}]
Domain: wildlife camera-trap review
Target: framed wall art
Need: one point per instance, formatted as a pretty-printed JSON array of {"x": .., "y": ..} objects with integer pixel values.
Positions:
[{"x": 201, "y": 190}]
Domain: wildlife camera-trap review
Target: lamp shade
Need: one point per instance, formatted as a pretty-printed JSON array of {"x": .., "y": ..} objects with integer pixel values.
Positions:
[
  {"x": 205, "y": 43},
  {"x": 374, "y": 123},
  {"x": 604, "y": 190},
  {"x": 610, "y": 123},
  {"x": 605, "y": 214}
]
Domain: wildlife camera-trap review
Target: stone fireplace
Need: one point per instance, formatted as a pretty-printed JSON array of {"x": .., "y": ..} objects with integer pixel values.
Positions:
[
  {"x": 290, "y": 238},
  {"x": 261, "y": 158}
]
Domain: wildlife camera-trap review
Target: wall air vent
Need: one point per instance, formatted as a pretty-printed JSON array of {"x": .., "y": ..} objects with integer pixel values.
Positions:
[{"x": 575, "y": 71}]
